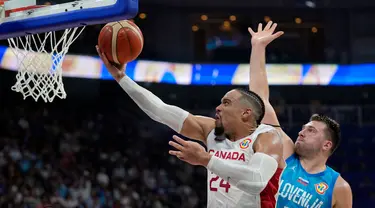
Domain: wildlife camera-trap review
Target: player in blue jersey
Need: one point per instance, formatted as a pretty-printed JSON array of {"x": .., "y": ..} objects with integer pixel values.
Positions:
[{"x": 306, "y": 181}]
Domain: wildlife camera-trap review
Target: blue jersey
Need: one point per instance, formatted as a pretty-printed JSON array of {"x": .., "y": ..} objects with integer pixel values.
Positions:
[{"x": 300, "y": 189}]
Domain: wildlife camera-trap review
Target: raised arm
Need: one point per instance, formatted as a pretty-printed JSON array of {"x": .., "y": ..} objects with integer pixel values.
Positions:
[
  {"x": 181, "y": 121},
  {"x": 258, "y": 77}
]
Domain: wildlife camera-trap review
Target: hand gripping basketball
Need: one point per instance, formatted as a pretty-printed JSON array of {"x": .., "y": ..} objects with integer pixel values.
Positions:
[{"x": 117, "y": 71}]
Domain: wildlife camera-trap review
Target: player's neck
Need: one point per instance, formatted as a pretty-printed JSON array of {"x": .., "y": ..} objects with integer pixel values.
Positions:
[
  {"x": 241, "y": 133},
  {"x": 313, "y": 165}
]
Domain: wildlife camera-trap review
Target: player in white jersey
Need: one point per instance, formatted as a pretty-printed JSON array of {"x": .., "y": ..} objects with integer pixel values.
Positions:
[
  {"x": 306, "y": 181},
  {"x": 219, "y": 192},
  {"x": 238, "y": 177}
]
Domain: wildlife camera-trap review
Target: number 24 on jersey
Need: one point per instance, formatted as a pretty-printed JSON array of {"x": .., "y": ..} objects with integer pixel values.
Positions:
[{"x": 217, "y": 182}]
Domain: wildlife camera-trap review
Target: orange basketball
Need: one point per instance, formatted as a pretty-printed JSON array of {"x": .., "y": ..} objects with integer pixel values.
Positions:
[{"x": 121, "y": 41}]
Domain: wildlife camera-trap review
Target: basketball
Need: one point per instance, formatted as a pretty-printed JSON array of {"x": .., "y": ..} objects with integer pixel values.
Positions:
[{"x": 121, "y": 41}]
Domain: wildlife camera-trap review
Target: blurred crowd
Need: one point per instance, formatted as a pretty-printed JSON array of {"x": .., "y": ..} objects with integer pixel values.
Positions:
[
  {"x": 81, "y": 158},
  {"x": 82, "y": 154}
]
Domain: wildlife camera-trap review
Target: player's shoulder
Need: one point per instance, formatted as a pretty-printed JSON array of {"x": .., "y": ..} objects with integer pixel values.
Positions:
[
  {"x": 267, "y": 135},
  {"x": 204, "y": 121},
  {"x": 342, "y": 189},
  {"x": 342, "y": 185},
  {"x": 262, "y": 130},
  {"x": 342, "y": 193},
  {"x": 288, "y": 144},
  {"x": 205, "y": 124},
  {"x": 267, "y": 132},
  {"x": 263, "y": 126}
]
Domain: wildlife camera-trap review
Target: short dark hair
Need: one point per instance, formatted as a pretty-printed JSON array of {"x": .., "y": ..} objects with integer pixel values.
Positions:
[
  {"x": 333, "y": 129},
  {"x": 256, "y": 102}
]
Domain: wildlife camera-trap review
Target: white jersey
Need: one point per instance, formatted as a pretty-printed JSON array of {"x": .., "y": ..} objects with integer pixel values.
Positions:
[{"x": 221, "y": 194}]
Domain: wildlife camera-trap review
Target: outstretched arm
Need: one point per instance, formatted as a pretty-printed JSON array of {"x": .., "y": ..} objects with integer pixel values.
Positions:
[
  {"x": 251, "y": 178},
  {"x": 258, "y": 77},
  {"x": 181, "y": 121}
]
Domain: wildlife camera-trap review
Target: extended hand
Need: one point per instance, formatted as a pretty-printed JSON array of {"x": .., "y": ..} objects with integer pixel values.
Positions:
[
  {"x": 117, "y": 72},
  {"x": 264, "y": 36},
  {"x": 190, "y": 152}
]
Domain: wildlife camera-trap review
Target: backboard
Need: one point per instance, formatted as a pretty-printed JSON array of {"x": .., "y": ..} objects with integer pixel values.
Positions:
[
  {"x": 52, "y": 15},
  {"x": 30, "y": 27}
]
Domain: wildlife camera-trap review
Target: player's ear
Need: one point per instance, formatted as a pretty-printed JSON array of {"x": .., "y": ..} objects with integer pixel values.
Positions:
[
  {"x": 327, "y": 145},
  {"x": 246, "y": 114}
]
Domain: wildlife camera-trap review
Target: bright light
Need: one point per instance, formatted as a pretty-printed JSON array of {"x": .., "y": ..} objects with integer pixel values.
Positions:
[
  {"x": 194, "y": 28},
  {"x": 267, "y": 18},
  {"x": 142, "y": 15},
  {"x": 226, "y": 24},
  {"x": 204, "y": 17},
  {"x": 314, "y": 29}
]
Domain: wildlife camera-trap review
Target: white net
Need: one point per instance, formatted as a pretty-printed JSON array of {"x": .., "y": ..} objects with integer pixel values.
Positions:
[{"x": 40, "y": 58}]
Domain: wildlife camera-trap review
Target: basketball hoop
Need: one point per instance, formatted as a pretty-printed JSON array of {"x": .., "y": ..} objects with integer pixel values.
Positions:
[
  {"x": 31, "y": 30},
  {"x": 40, "y": 71}
]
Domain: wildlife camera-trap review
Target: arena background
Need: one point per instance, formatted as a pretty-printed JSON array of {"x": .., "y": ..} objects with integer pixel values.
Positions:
[{"x": 98, "y": 149}]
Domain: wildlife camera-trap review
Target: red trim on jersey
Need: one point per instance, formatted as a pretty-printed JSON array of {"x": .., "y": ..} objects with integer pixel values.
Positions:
[{"x": 267, "y": 196}]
